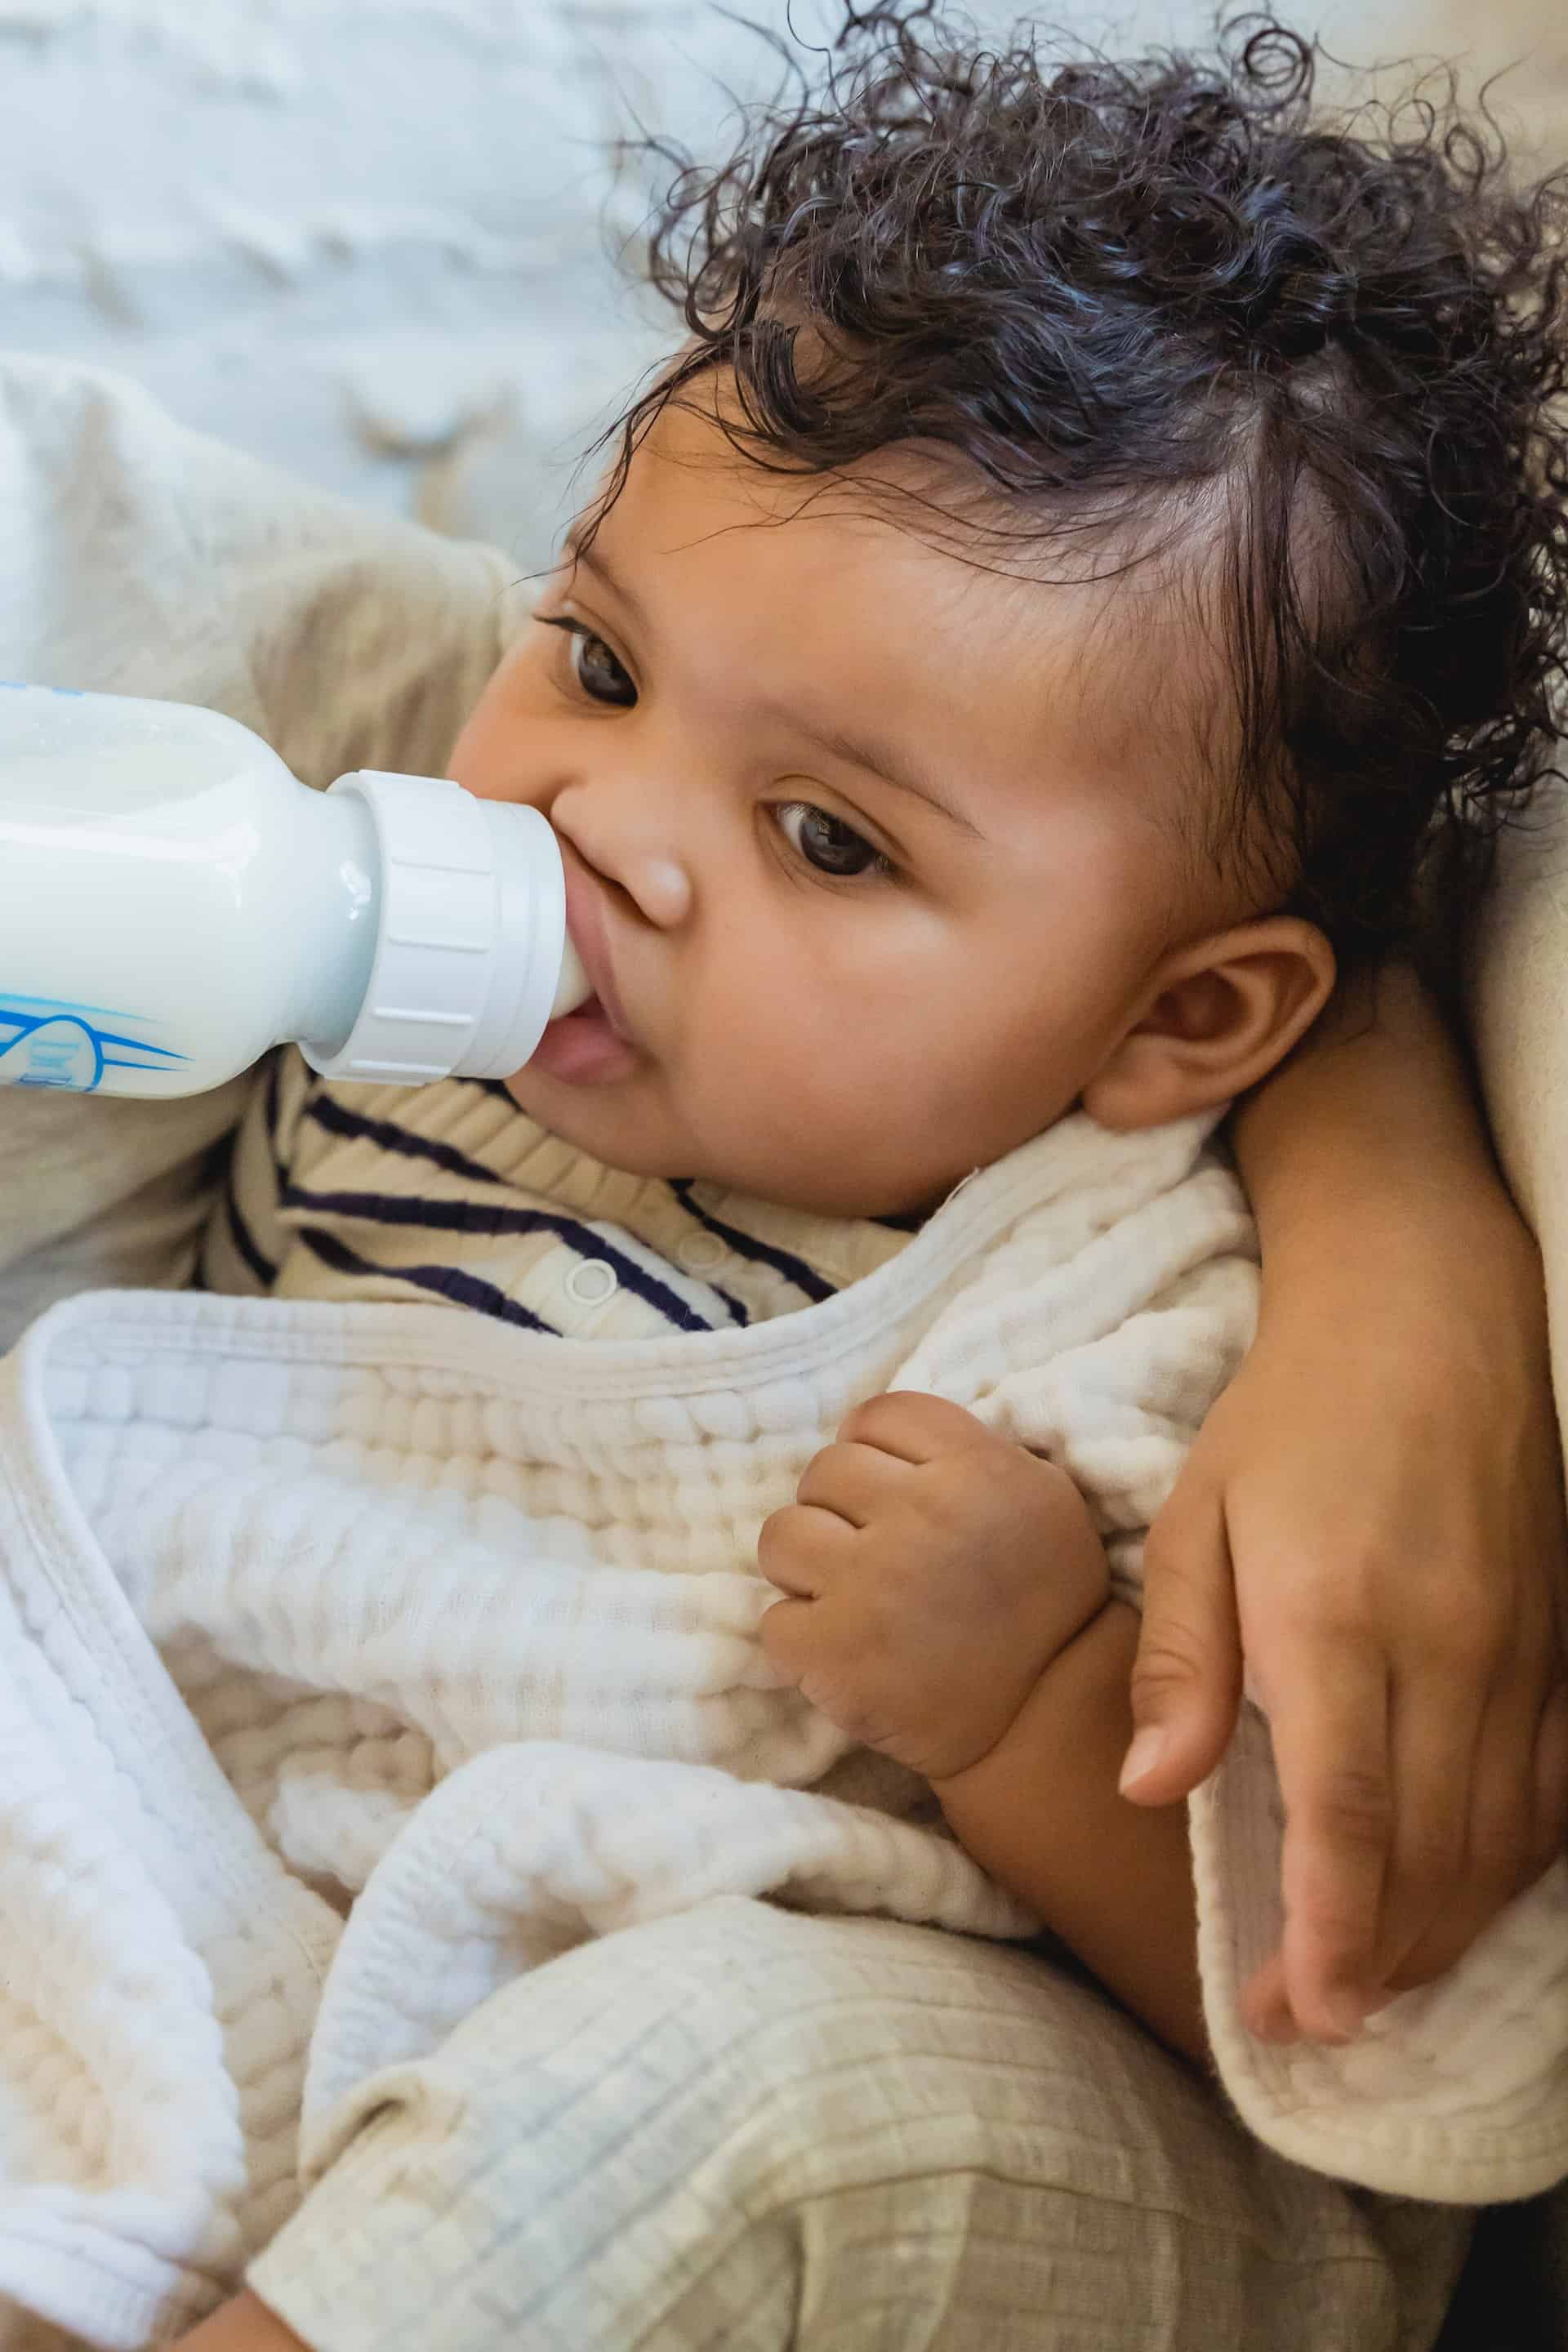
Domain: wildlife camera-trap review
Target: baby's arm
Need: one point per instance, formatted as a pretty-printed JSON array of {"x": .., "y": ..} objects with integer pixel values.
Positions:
[
  {"x": 948, "y": 1604},
  {"x": 243, "y": 2326},
  {"x": 1042, "y": 1813}
]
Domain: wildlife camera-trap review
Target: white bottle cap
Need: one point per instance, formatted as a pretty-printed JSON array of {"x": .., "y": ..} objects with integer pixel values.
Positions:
[{"x": 471, "y": 955}]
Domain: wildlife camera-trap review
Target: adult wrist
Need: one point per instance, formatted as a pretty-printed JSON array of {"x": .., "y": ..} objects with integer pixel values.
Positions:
[{"x": 1370, "y": 1146}]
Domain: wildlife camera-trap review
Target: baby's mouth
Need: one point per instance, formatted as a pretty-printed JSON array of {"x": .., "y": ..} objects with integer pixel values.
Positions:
[
  {"x": 585, "y": 928},
  {"x": 589, "y": 1009},
  {"x": 584, "y": 1047}
]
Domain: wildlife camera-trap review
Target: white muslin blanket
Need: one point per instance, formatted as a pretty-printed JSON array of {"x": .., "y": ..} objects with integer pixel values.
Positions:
[{"x": 305, "y": 1605}]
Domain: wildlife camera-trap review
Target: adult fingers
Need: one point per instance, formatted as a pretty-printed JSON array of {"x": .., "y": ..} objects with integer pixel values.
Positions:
[
  {"x": 1513, "y": 1828},
  {"x": 1436, "y": 1888},
  {"x": 1186, "y": 1678},
  {"x": 1550, "y": 1824},
  {"x": 1266, "y": 2003},
  {"x": 1329, "y": 1724}
]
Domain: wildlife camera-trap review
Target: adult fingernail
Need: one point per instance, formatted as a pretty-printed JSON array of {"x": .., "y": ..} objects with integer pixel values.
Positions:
[
  {"x": 1346, "y": 2012},
  {"x": 1145, "y": 1752}
]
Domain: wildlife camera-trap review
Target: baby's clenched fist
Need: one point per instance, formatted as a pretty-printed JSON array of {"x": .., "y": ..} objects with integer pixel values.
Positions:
[{"x": 933, "y": 1571}]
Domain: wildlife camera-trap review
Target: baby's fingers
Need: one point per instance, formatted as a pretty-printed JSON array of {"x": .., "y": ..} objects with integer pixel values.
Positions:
[
  {"x": 788, "y": 1639},
  {"x": 854, "y": 1482},
  {"x": 913, "y": 1425},
  {"x": 803, "y": 1550}
]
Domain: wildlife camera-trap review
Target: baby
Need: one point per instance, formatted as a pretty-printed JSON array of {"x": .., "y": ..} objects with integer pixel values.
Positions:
[
  {"x": 1092, "y": 564},
  {"x": 1090, "y": 575}
]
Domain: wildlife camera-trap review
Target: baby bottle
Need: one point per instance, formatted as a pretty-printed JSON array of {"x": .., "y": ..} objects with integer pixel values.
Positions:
[{"x": 173, "y": 901}]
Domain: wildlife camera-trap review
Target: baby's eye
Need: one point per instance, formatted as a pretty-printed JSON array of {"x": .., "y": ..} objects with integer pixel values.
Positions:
[
  {"x": 602, "y": 677},
  {"x": 825, "y": 841}
]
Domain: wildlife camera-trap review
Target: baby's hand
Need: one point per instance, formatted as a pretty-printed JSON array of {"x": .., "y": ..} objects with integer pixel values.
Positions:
[{"x": 934, "y": 1571}]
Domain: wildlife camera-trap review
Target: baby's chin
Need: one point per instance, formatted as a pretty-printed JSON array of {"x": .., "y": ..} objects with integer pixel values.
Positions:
[
  {"x": 599, "y": 1121},
  {"x": 623, "y": 1136}
]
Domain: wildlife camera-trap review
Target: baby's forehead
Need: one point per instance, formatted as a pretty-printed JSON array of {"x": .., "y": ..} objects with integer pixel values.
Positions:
[
  {"x": 900, "y": 588},
  {"x": 911, "y": 519}
]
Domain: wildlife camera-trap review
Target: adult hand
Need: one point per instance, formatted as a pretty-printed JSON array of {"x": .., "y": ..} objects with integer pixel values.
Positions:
[{"x": 1373, "y": 1517}]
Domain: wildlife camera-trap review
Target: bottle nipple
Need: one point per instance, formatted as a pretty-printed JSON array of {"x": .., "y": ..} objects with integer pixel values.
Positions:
[{"x": 573, "y": 988}]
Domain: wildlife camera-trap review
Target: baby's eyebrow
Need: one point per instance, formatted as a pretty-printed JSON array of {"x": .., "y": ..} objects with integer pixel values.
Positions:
[
  {"x": 893, "y": 766},
  {"x": 870, "y": 752},
  {"x": 590, "y": 559}
]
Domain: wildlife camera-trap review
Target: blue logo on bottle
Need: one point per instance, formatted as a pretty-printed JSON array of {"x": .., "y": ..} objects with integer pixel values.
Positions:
[{"x": 46, "y": 1041}]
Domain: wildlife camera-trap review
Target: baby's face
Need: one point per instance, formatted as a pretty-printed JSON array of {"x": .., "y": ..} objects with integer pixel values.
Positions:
[{"x": 868, "y": 863}]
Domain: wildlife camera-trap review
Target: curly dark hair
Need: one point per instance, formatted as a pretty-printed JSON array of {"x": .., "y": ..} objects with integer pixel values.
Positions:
[{"x": 1170, "y": 294}]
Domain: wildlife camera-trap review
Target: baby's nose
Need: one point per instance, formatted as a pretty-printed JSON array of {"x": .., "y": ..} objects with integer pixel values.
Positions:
[
  {"x": 663, "y": 890},
  {"x": 621, "y": 850}
]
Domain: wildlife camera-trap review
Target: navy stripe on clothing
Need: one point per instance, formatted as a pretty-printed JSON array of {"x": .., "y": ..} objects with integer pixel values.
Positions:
[
  {"x": 493, "y": 1217},
  {"x": 270, "y": 1108},
  {"x": 336, "y": 1120},
  {"x": 793, "y": 1269},
  {"x": 446, "y": 1281},
  {"x": 249, "y": 1248}
]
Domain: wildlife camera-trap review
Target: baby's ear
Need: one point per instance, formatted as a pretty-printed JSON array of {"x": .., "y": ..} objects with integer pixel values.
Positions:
[{"x": 1222, "y": 1011}]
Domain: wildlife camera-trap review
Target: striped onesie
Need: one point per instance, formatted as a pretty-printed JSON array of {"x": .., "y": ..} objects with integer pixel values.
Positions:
[{"x": 450, "y": 1192}]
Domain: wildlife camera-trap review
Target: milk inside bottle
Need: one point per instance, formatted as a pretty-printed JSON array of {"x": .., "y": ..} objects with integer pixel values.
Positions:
[{"x": 173, "y": 901}]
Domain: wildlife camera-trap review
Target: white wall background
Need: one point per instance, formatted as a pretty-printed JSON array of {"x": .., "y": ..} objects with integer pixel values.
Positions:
[{"x": 369, "y": 237}]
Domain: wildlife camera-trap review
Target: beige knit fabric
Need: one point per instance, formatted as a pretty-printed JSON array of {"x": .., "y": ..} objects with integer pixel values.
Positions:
[
  {"x": 449, "y": 1190},
  {"x": 748, "y": 2128}
]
